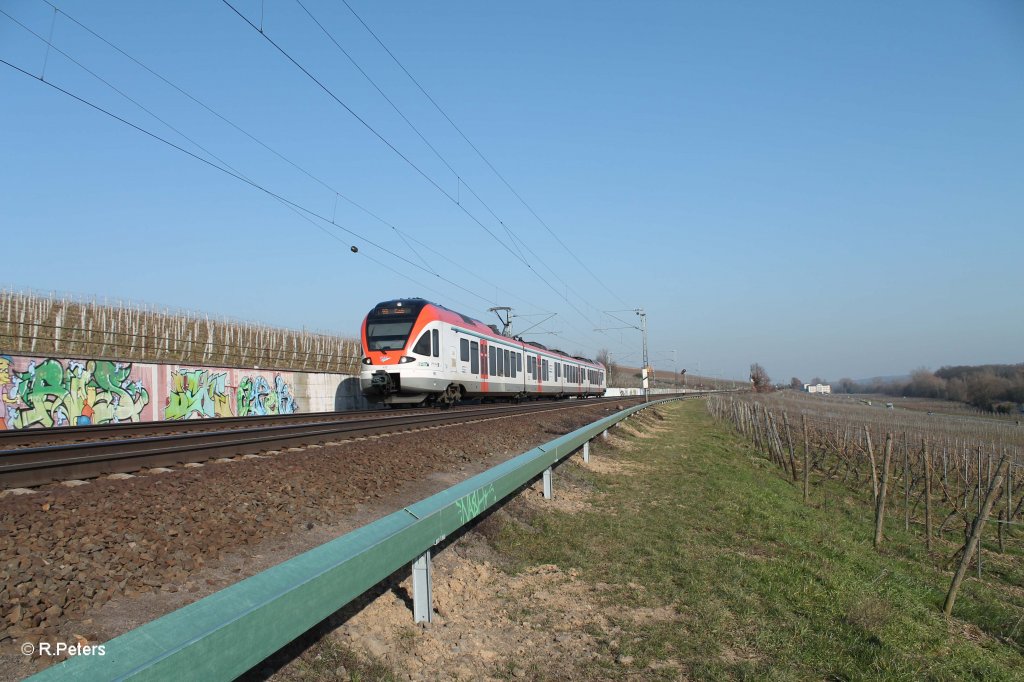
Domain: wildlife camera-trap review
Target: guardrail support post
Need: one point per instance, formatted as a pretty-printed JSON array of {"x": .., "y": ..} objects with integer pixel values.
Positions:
[
  {"x": 422, "y": 597},
  {"x": 586, "y": 452},
  {"x": 547, "y": 483}
]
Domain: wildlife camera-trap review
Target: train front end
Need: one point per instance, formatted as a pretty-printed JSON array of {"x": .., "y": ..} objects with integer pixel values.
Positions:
[{"x": 390, "y": 373}]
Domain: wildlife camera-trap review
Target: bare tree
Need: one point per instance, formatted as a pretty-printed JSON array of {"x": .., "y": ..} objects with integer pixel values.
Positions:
[
  {"x": 762, "y": 383},
  {"x": 795, "y": 383}
]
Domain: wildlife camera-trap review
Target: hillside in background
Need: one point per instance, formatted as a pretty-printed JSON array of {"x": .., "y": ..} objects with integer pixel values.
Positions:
[{"x": 995, "y": 388}]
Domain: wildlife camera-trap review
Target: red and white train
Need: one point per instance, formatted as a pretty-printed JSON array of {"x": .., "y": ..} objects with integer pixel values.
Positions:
[{"x": 420, "y": 353}]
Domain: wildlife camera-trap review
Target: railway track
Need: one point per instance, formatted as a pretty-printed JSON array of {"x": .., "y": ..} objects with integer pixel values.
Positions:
[
  {"x": 11, "y": 440},
  {"x": 131, "y": 447}
]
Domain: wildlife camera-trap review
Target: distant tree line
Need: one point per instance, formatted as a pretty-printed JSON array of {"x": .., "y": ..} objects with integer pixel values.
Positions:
[{"x": 995, "y": 388}]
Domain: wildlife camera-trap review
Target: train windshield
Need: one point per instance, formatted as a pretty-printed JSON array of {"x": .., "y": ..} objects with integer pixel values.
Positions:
[{"x": 388, "y": 325}]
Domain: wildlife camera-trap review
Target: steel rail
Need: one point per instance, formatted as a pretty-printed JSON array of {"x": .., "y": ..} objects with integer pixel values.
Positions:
[
  {"x": 33, "y": 466},
  {"x": 34, "y": 436},
  {"x": 92, "y": 432}
]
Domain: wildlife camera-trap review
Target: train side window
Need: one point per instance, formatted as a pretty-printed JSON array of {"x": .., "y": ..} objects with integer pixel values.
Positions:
[
  {"x": 437, "y": 343},
  {"x": 492, "y": 361},
  {"x": 512, "y": 357},
  {"x": 464, "y": 350},
  {"x": 474, "y": 357},
  {"x": 422, "y": 346},
  {"x": 519, "y": 361},
  {"x": 508, "y": 365}
]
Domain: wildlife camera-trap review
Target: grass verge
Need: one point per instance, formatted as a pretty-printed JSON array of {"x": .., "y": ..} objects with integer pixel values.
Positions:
[{"x": 757, "y": 584}]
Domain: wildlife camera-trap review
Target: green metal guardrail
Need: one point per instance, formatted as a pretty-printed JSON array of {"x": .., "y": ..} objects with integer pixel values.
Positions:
[{"x": 225, "y": 634}]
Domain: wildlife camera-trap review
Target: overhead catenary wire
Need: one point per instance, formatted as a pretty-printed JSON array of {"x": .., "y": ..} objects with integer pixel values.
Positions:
[
  {"x": 335, "y": 191},
  {"x": 380, "y": 91},
  {"x": 480, "y": 154},
  {"x": 405, "y": 158},
  {"x": 516, "y": 241}
]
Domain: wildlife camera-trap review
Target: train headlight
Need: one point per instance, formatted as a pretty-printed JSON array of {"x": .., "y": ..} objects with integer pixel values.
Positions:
[
  {"x": 406, "y": 358},
  {"x": 367, "y": 361}
]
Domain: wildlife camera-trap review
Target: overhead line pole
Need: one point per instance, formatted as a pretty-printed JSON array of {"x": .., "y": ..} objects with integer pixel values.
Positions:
[
  {"x": 647, "y": 366},
  {"x": 645, "y": 372}
]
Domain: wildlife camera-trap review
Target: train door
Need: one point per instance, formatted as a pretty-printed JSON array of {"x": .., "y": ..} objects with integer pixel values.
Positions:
[
  {"x": 452, "y": 344},
  {"x": 522, "y": 370},
  {"x": 483, "y": 366}
]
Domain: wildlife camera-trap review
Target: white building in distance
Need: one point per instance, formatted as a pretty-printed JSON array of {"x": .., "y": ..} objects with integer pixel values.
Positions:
[{"x": 818, "y": 388}]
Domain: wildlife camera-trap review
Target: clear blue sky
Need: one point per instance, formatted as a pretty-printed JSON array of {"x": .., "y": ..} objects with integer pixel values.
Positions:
[{"x": 831, "y": 189}]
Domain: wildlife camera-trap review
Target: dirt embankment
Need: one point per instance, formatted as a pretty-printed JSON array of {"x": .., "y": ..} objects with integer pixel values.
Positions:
[{"x": 490, "y": 622}]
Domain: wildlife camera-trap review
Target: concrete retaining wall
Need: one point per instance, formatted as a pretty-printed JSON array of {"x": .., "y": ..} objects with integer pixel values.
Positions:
[{"x": 37, "y": 392}]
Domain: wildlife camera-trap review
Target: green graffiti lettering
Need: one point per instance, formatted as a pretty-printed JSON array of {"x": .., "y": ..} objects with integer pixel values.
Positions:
[
  {"x": 69, "y": 393},
  {"x": 198, "y": 394},
  {"x": 471, "y": 505}
]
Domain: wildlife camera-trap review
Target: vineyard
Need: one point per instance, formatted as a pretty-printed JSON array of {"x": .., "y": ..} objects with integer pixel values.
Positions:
[
  {"x": 949, "y": 484},
  {"x": 62, "y": 326}
]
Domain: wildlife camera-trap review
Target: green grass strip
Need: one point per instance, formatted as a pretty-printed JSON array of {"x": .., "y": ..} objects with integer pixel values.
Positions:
[{"x": 762, "y": 586}]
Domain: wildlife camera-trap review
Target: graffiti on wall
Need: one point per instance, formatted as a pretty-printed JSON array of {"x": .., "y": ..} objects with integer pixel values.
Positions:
[
  {"x": 197, "y": 394},
  {"x": 256, "y": 397},
  {"x": 38, "y": 392},
  {"x": 204, "y": 393},
  {"x": 51, "y": 392}
]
